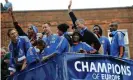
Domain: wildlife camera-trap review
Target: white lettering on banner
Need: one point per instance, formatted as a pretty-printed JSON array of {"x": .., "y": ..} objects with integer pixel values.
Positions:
[
  {"x": 92, "y": 67},
  {"x": 103, "y": 68},
  {"x": 76, "y": 66},
  {"x": 85, "y": 66},
  {"x": 110, "y": 77},
  {"x": 117, "y": 67},
  {"x": 109, "y": 67},
  {"x": 113, "y": 68},
  {"x": 95, "y": 76},
  {"x": 128, "y": 71}
]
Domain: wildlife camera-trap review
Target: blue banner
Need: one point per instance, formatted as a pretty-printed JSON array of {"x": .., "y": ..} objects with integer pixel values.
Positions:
[
  {"x": 79, "y": 67},
  {"x": 97, "y": 67}
]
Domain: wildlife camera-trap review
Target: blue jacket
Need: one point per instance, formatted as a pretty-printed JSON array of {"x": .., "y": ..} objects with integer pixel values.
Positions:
[
  {"x": 106, "y": 45},
  {"x": 62, "y": 45},
  {"x": 117, "y": 41},
  {"x": 81, "y": 46},
  {"x": 8, "y": 5},
  {"x": 56, "y": 44},
  {"x": 34, "y": 54},
  {"x": 18, "y": 51}
]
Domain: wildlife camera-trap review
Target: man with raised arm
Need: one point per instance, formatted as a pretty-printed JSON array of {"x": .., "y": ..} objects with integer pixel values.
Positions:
[
  {"x": 31, "y": 33},
  {"x": 87, "y": 35}
]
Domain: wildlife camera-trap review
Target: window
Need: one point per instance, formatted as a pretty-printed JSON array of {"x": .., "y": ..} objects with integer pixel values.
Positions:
[{"x": 125, "y": 40}]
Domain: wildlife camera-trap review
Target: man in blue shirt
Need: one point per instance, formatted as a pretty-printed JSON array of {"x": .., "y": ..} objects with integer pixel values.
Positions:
[
  {"x": 55, "y": 43},
  {"x": 53, "y": 40},
  {"x": 8, "y": 5},
  {"x": 35, "y": 54},
  {"x": 50, "y": 38},
  {"x": 80, "y": 47},
  {"x": 103, "y": 40},
  {"x": 117, "y": 43},
  {"x": 62, "y": 30},
  {"x": 18, "y": 48}
]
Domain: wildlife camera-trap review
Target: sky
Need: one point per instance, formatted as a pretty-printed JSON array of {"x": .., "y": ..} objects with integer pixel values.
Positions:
[{"x": 22, "y": 5}]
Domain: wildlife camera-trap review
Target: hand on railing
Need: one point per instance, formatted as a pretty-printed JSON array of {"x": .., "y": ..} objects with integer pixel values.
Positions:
[{"x": 45, "y": 58}]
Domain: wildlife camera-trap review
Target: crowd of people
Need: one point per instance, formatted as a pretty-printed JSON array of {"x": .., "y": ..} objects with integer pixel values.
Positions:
[{"x": 31, "y": 47}]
